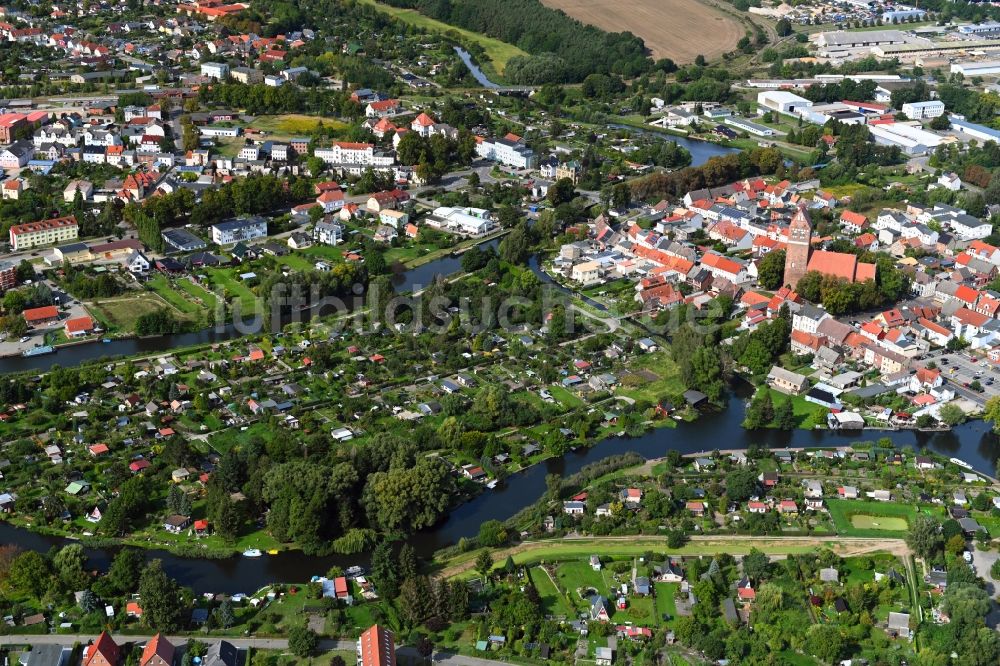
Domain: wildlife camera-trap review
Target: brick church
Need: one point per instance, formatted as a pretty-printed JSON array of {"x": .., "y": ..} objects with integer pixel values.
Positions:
[{"x": 800, "y": 258}]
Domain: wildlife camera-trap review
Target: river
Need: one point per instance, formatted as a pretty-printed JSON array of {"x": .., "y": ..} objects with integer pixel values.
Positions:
[
  {"x": 972, "y": 442},
  {"x": 404, "y": 282},
  {"x": 700, "y": 151}
]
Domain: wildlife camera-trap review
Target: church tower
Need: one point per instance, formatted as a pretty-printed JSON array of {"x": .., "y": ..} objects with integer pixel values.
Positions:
[{"x": 799, "y": 243}]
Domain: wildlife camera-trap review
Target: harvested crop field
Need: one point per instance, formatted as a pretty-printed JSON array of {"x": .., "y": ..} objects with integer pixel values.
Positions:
[{"x": 677, "y": 29}]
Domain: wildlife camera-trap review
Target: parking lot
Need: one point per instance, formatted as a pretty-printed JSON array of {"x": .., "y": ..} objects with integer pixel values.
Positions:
[{"x": 960, "y": 371}]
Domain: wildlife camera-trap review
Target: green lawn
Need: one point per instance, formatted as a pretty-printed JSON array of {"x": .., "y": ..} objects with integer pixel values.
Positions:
[
  {"x": 120, "y": 315},
  {"x": 328, "y": 253},
  {"x": 296, "y": 262},
  {"x": 294, "y": 124},
  {"x": 807, "y": 414},
  {"x": 870, "y": 519},
  {"x": 991, "y": 523},
  {"x": 234, "y": 288},
  {"x": 230, "y": 437},
  {"x": 574, "y": 554},
  {"x": 162, "y": 286},
  {"x": 552, "y": 601},
  {"x": 565, "y": 396},
  {"x": 666, "y": 383},
  {"x": 665, "y": 603},
  {"x": 498, "y": 52},
  {"x": 576, "y": 577},
  {"x": 206, "y": 297},
  {"x": 791, "y": 658}
]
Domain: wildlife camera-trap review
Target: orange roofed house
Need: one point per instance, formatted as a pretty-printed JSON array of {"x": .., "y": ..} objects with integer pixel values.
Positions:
[
  {"x": 42, "y": 315},
  {"x": 376, "y": 647},
  {"x": 158, "y": 652},
  {"x": 104, "y": 652},
  {"x": 79, "y": 326}
]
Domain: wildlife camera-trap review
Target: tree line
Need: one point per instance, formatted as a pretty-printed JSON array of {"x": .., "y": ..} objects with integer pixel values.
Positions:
[{"x": 561, "y": 48}]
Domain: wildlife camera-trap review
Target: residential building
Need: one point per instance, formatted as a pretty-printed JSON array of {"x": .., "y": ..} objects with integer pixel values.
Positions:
[
  {"x": 103, "y": 652},
  {"x": 234, "y": 231},
  {"x": 182, "y": 240},
  {"x": 215, "y": 70},
  {"x": 158, "y": 652},
  {"x": 222, "y": 653},
  {"x": 786, "y": 381},
  {"x": 46, "y": 232},
  {"x": 328, "y": 233},
  {"x": 8, "y": 275},
  {"x": 506, "y": 151},
  {"x": 376, "y": 647}
]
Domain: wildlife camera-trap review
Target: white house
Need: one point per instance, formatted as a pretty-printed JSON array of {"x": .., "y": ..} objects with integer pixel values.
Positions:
[
  {"x": 234, "y": 231},
  {"x": 950, "y": 181},
  {"x": 920, "y": 110},
  {"x": 215, "y": 70},
  {"x": 506, "y": 151},
  {"x": 328, "y": 233}
]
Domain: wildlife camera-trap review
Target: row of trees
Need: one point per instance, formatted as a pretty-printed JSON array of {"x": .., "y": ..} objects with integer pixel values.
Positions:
[{"x": 715, "y": 172}]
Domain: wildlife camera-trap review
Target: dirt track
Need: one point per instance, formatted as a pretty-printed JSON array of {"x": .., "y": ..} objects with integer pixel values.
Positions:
[
  {"x": 843, "y": 546},
  {"x": 677, "y": 29}
]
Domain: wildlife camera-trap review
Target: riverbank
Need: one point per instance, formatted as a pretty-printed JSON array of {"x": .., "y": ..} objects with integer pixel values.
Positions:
[{"x": 972, "y": 442}]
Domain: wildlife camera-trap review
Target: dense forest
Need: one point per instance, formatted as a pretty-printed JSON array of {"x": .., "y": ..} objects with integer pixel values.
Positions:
[{"x": 562, "y": 49}]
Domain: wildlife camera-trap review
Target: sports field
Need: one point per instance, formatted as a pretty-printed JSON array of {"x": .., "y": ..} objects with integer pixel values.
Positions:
[
  {"x": 677, "y": 29},
  {"x": 867, "y": 522},
  {"x": 498, "y": 52}
]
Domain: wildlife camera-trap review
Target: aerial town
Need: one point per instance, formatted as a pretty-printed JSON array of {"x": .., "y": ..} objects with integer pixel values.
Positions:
[{"x": 365, "y": 331}]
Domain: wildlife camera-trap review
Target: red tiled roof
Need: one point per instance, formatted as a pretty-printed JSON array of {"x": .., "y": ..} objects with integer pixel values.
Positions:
[
  {"x": 79, "y": 325},
  {"x": 842, "y": 265},
  {"x": 966, "y": 294},
  {"x": 384, "y": 104},
  {"x": 104, "y": 646},
  {"x": 41, "y": 314}
]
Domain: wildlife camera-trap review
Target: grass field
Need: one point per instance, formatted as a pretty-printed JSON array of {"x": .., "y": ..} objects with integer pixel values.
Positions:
[
  {"x": 199, "y": 293},
  {"x": 667, "y": 382},
  {"x": 565, "y": 397},
  {"x": 870, "y": 519},
  {"x": 121, "y": 314},
  {"x": 576, "y": 551},
  {"x": 498, "y": 52},
  {"x": 665, "y": 604},
  {"x": 807, "y": 414},
  {"x": 677, "y": 29},
  {"x": 234, "y": 288},
  {"x": 553, "y": 602},
  {"x": 294, "y": 124},
  {"x": 161, "y": 285}
]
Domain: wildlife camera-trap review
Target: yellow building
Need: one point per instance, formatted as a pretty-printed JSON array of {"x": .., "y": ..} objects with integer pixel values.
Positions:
[{"x": 46, "y": 232}]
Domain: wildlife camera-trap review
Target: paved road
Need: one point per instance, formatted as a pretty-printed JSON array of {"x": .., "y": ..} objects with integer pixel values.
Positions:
[
  {"x": 242, "y": 643},
  {"x": 983, "y": 561}
]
